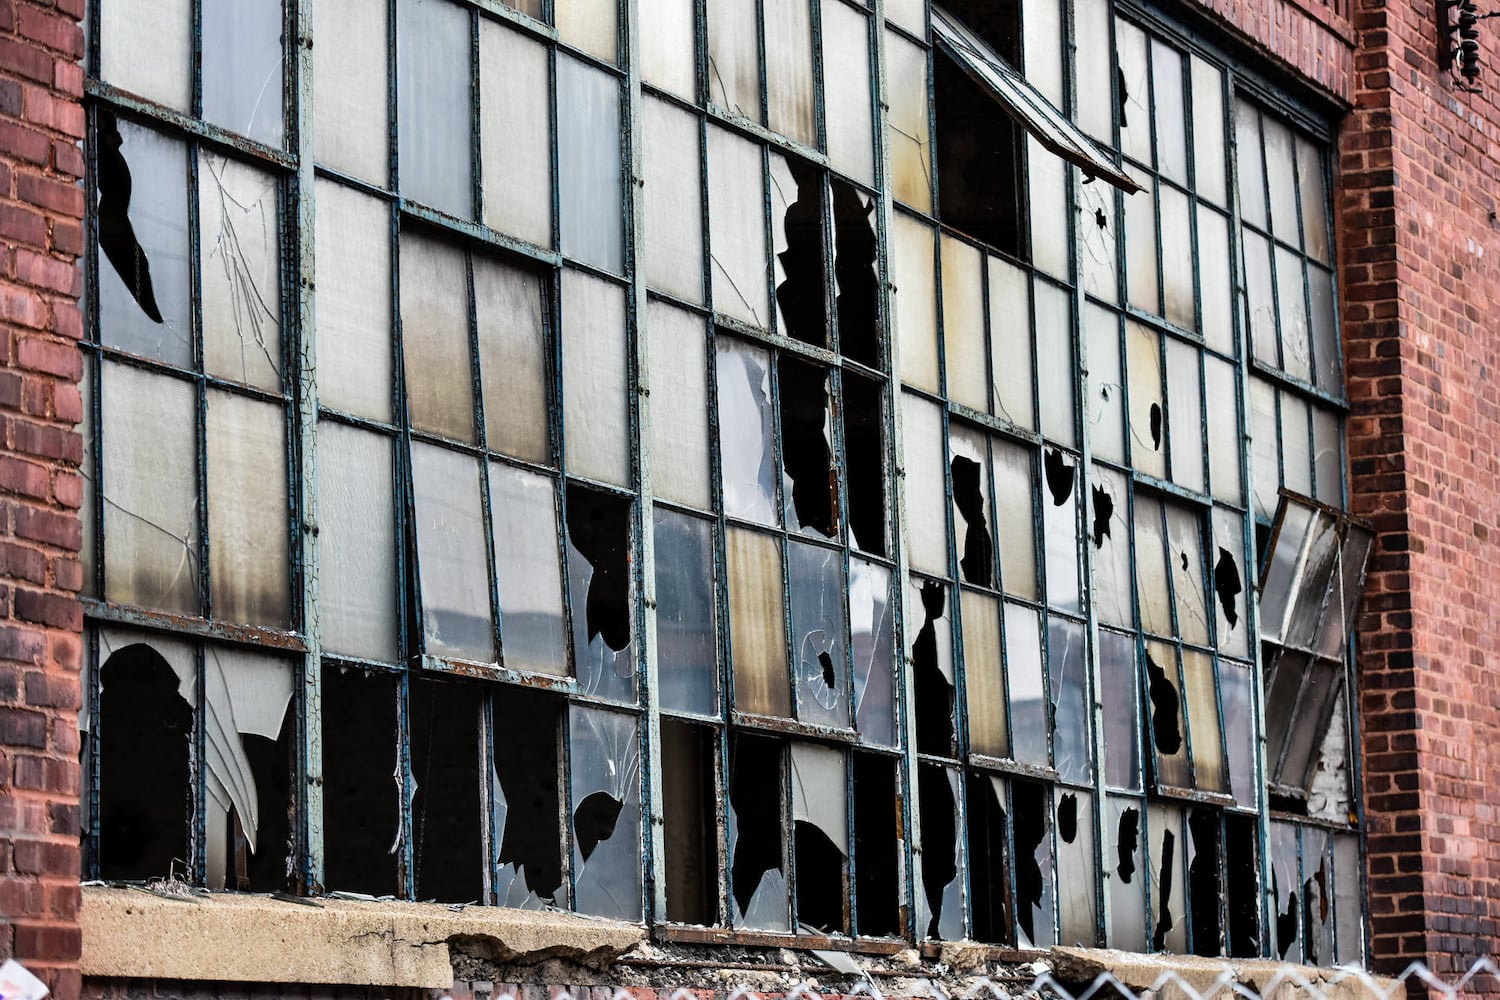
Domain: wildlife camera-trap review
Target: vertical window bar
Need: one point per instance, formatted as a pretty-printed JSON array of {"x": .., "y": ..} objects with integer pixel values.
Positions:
[{"x": 200, "y": 387}]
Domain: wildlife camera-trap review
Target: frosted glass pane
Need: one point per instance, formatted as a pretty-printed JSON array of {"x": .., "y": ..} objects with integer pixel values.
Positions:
[
  {"x": 435, "y": 337},
  {"x": 1185, "y": 556},
  {"x": 1140, "y": 246},
  {"x": 789, "y": 69},
  {"x": 1328, "y": 459},
  {"x": 128, "y": 29},
  {"x": 1155, "y": 599},
  {"x": 1010, "y": 343},
  {"x": 1176, "y": 250},
  {"x": 736, "y": 227},
  {"x": 1222, "y": 398},
  {"x": 909, "y": 14},
  {"x": 912, "y": 274},
  {"x": 846, "y": 59},
  {"x": 1041, "y": 49},
  {"x": 349, "y": 89},
  {"x": 1106, "y": 389},
  {"x": 669, "y": 47},
  {"x": 687, "y": 665},
  {"x": 1296, "y": 444},
  {"x": 1265, "y": 465},
  {"x": 239, "y": 235},
  {"x": 757, "y": 627},
  {"x": 1054, "y": 361},
  {"x": 1226, "y": 556},
  {"x": 1095, "y": 113},
  {"x": 1171, "y": 126},
  {"x": 1026, "y": 684},
  {"x": 588, "y": 165},
  {"x": 1185, "y": 413},
  {"x": 1134, "y": 99},
  {"x": 1203, "y": 718},
  {"x": 746, "y": 439},
  {"x": 515, "y": 144},
  {"x": 357, "y": 611},
  {"x": 1281, "y": 181},
  {"x": 433, "y": 104},
  {"x": 248, "y": 511},
  {"x": 1291, "y": 301},
  {"x": 1314, "y": 199},
  {"x": 1208, "y": 130},
  {"x": 1127, "y": 895},
  {"x": 1015, "y": 513},
  {"x": 673, "y": 194},
  {"x": 734, "y": 57},
  {"x": 963, "y": 324},
  {"x": 353, "y": 277},
  {"x": 1249, "y": 164},
  {"x": 243, "y": 70},
  {"x": 451, "y": 554},
  {"x": 679, "y": 405},
  {"x": 926, "y": 496},
  {"x": 1213, "y": 281},
  {"x": 983, "y": 675},
  {"x": 1147, "y": 419},
  {"x": 596, "y": 413},
  {"x": 1076, "y": 880},
  {"x": 907, "y": 122},
  {"x": 1060, "y": 530},
  {"x": 528, "y": 571},
  {"x": 1050, "y": 249},
  {"x": 1260, "y": 300},
  {"x": 591, "y": 25},
  {"x": 1098, "y": 232},
  {"x": 514, "y": 359},
  {"x": 150, "y": 490},
  {"x": 1325, "y": 331}
]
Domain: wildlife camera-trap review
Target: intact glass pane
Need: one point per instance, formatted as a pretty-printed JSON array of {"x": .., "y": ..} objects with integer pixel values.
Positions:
[
  {"x": 1296, "y": 350},
  {"x": 1054, "y": 361},
  {"x": 757, "y": 627},
  {"x": 1313, "y": 198},
  {"x": 734, "y": 57},
  {"x": 1026, "y": 685},
  {"x": 668, "y": 49},
  {"x": 1042, "y": 50},
  {"x": 736, "y": 227},
  {"x": 1296, "y": 444},
  {"x": 1203, "y": 720},
  {"x": 673, "y": 193},
  {"x": 1140, "y": 246},
  {"x": 451, "y": 554},
  {"x": 1213, "y": 281},
  {"x": 984, "y": 677},
  {"x": 433, "y": 109},
  {"x": 687, "y": 666},
  {"x": 354, "y": 302},
  {"x": 1249, "y": 164},
  {"x": 513, "y": 359},
  {"x": 926, "y": 498},
  {"x": 1147, "y": 419},
  {"x": 916, "y": 302},
  {"x": 1221, "y": 384},
  {"x": 1151, "y": 570},
  {"x": 1327, "y": 372},
  {"x": 1239, "y": 730},
  {"x": 128, "y": 29},
  {"x": 1171, "y": 125},
  {"x": 746, "y": 440},
  {"x": 1265, "y": 453},
  {"x": 596, "y": 412},
  {"x": 1050, "y": 219},
  {"x": 1010, "y": 343},
  {"x": 679, "y": 407},
  {"x": 1208, "y": 130},
  {"x": 356, "y": 543},
  {"x": 820, "y": 656},
  {"x": 588, "y": 165},
  {"x": 591, "y": 25},
  {"x": 1185, "y": 414},
  {"x": 528, "y": 574},
  {"x": 243, "y": 69},
  {"x": 846, "y": 60},
  {"x": 789, "y": 69},
  {"x": 435, "y": 337},
  {"x": 909, "y": 14},
  {"x": 1281, "y": 181},
  {"x": 1260, "y": 299},
  {"x": 1095, "y": 104},
  {"x": 150, "y": 509},
  {"x": 1015, "y": 514},
  {"x": 1120, "y": 683},
  {"x": 515, "y": 144},
  {"x": 963, "y": 324},
  {"x": 1176, "y": 250},
  {"x": 1328, "y": 459},
  {"x": 350, "y": 84},
  {"x": 907, "y": 122},
  {"x": 249, "y": 511},
  {"x": 239, "y": 243},
  {"x": 1105, "y": 400}
]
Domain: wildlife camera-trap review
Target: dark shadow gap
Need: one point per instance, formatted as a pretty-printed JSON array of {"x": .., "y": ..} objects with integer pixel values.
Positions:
[
  {"x": 689, "y": 810},
  {"x": 599, "y": 528},
  {"x": 802, "y": 294},
  {"x": 939, "y": 829},
  {"x": 755, "y": 796},
  {"x": 932, "y": 690},
  {"x": 977, "y": 562},
  {"x": 1228, "y": 586},
  {"x": 528, "y": 728},
  {"x": 1164, "y": 923},
  {"x": 116, "y": 235},
  {"x": 1205, "y": 891},
  {"x": 447, "y": 816},
  {"x": 1029, "y": 806},
  {"x": 877, "y": 846},
  {"x": 1104, "y": 510},
  {"x": 1067, "y": 817},
  {"x": 989, "y": 876},
  {"x": 820, "y": 879},
  {"x": 856, "y": 254},
  {"x": 1242, "y": 885},
  {"x": 1129, "y": 840},
  {"x": 864, "y": 448},
  {"x": 1165, "y": 704},
  {"x": 266, "y": 869},
  {"x": 361, "y": 799},
  {"x": 805, "y": 447},
  {"x": 1059, "y": 476}
]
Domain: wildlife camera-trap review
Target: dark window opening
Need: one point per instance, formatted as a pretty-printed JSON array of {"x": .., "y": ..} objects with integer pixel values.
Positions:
[
  {"x": 1129, "y": 840},
  {"x": 856, "y": 251},
  {"x": 820, "y": 878},
  {"x": 266, "y": 868},
  {"x": 1059, "y": 474},
  {"x": 599, "y": 529},
  {"x": 802, "y": 294},
  {"x": 877, "y": 846},
  {"x": 1242, "y": 885},
  {"x": 979, "y": 151},
  {"x": 989, "y": 875},
  {"x": 528, "y": 730},
  {"x": 1029, "y": 823},
  {"x": 756, "y": 798},
  {"x": 977, "y": 561},
  {"x": 361, "y": 794},
  {"x": 116, "y": 235},
  {"x": 864, "y": 447},
  {"x": 1204, "y": 888},
  {"x": 1067, "y": 817},
  {"x": 1166, "y": 705},
  {"x": 446, "y": 816},
  {"x": 806, "y": 445},
  {"x": 1164, "y": 922},
  {"x": 932, "y": 690},
  {"x": 939, "y": 821},
  {"x": 1104, "y": 510},
  {"x": 689, "y": 808},
  {"x": 1227, "y": 586}
]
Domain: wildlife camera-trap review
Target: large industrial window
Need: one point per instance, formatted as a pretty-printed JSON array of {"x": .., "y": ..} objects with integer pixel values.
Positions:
[{"x": 543, "y": 460}]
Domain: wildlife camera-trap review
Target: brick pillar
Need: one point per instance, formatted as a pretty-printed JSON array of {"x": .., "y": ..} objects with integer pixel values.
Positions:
[{"x": 41, "y": 238}]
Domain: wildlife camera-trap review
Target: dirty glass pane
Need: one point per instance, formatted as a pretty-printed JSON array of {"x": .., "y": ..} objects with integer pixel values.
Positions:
[
  {"x": 513, "y": 359},
  {"x": 588, "y": 165},
  {"x": 734, "y": 57},
  {"x": 1185, "y": 415},
  {"x": 679, "y": 409},
  {"x": 1208, "y": 130},
  {"x": 144, "y": 300},
  {"x": 926, "y": 499},
  {"x": 1015, "y": 513},
  {"x": 873, "y": 645},
  {"x": 1054, "y": 361},
  {"x": 1026, "y": 684},
  {"x": 150, "y": 490},
  {"x": 1076, "y": 881},
  {"x": 452, "y": 568},
  {"x": 1098, "y": 230},
  {"x": 1147, "y": 421},
  {"x": 1171, "y": 134},
  {"x": 789, "y": 69},
  {"x": 846, "y": 59},
  {"x": 1010, "y": 343},
  {"x": 736, "y": 226},
  {"x": 1221, "y": 384},
  {"x": 1317, "y": 906},
  {"x": 1119, "y": 682},
  {"x": 1067, "y": 668},
  {"x": 356, "y": 543},
  {"x": 971, "y": 505},
  {"x": 963, "y": 324},
  {"x": 746, "y": 443},
  {"x": 435, "y": 337},
  {"x": 1203, "y": 718},
  {"x": 1176, "y": 250},
  {"x": 1325, "y": 332},
  {"x": 907, "y": 122},
  {"x": 1060, "y": 530},
  {"x": 164, "y": 28},
  {"x": 1320, "y": 698},
  {"x": 242, "y": 67},
  {"x": 1239, "y": 730},
  {"x": 916, "y": 302},
  {"x": 595, "y": 408},
  {"x": 515, "y": 143},
  {"x": 1108, "y": 525},
  {"x": 591, "y": 25},
  {"x": 820, "y": 656},
  {"x": 354, "y": 302},
  {"x": 1140, "y": 246},
  {"x": 248, "y": 511},
  {"x": 685, "y": 643},
  {"x": 1314, "y": 200},
  {"x": 1296, "y": 352},
  {"x": 1328, "y": 460},
  {"x": 1041, "y": 49},
  {"x": 1095, "y": 104},
  {"x": 1050, "y": 249},
  {"x": 668, "y": 48},
  {"x": 604, "y": 771},
  {"x": 1296, "y": 443},
  {"x": 1265, "y": 456},
  {"x": 909, "y": 14},
  {"x": 528, "y": 577},
  {"x": 984, "y": 677},
  {"x": 433, "y": 104},
  {"x": 1281, "y": 181},
  {"x": 1169, "y": 886},
  {"x": 1213, "y": 281},
  {"x": 1344, "y": 592},
  {"x": 1134, "y": 100},
  {"x": 1230, "y": 582},
  {"x": 1276, "y": 601},
  {"x": 1105, "y": 396},
  {"x": 1249, "y": 165},
  {"x": 1168, "y": 734},
  {"x": 757, "y": 627},
  {"x": 1260, "y": 300},
  {"x": 239, "y": 240},
  {"x": 1287, "y": 890},
  {"x": 1151, "y": 570},
  {"x": 1126, "y": 863},
  {"x": 673, "y": 194},
  {"x": 1348, "y": 913},
  {"x": 350, "y": 91}
]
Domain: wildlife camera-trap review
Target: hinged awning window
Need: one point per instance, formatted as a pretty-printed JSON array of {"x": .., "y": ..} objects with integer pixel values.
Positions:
[{"x": 1024, "y": 103}]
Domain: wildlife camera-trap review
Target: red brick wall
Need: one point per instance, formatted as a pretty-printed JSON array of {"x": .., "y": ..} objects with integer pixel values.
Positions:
[{"x": 41, "y": 236}]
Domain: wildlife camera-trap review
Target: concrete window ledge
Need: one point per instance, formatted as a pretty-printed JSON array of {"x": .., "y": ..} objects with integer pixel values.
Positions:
[
  {"x": 134, "y": 934},
  {"x": 1268, "y": 978}
]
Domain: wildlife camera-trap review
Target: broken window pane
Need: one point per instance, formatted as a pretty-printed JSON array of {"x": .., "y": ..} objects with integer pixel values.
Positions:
[
  {"x": 1203, "y": 716},
  {"x": 1317, "y": 902},
  {"x": 1222, "y": 419},
  {"x": 447, "y": 820},
  {"x": 1015, "y": 485},
  {"x": 679, "y": 414},
  {"x": 247, "y": 511},
  {"x": 363, "y": 781},
  {"x": 1109, "y": 519},
  {"x": 756, "y": 625},
  {"x": 354, "y": 301},
  {"x": 1147, "y": 420},
  {"x": 1346, "y": 586},
  {"x": 1168, "y": 879},
  {"x": 789, "y": 69},
  {"x": 1031, "y": 822},
  {"x": 1132, "y": 97},
  {"x": 984, "y": 677},
  {"x": 816, "y": 582},
  {"x": 524, "y": 791},
  {"x": 820, "y": 835},
  {"x": 242, "y": 67},
  {"x": 907, "y": 122},
  {"x": 1060, "y": 529},
  {"x": 926, "y": 504},
  {"x": 142, "y": 218},
  {"x": 514, "y": 362},
  {"x": 150, "y": 490},
  {"x": 810, "y": 481},
  {"x": 963, "y": 324},
  {"x": 971, "y": 506},
  {"x": 878, "y": 848},
  {"x": 931, "y": 655},
  {"x": 1164, "y": 686},
  {"x": 1185, "y": 555},
  {"x": 1243, "y": 884},
  {"x": 1076, "y": 880},
  {"x": 129, "y": 29},
  {"x": 435, "y": 343},
  {"x": 1098, "y": 231},
  {"x": 515, "y": 144},
  {"x": 1151, "y": 572},
  {"x": 734, "y": 57},
  {"x": 1287, "y": 892},
  {"x": 846, "y": 59},
  {"x": 669, "y": 50},
  {"x": 856, "y": 270},
  {"x": 689, "y": 810},
  {"x": 1127, "y": 874},
  {"x": 940, "y": 905},
  {"x": 1226, "y": 556},
  {"x": 1105, "y": 400},
  {"x": 523, "y": 512},
  {"x": 757, "y": 873},
  {"x": 873, "y": 645},
  {"x": 589, "y": 185},
  {"x": 1205, "y": 887},
  {"x": 865, "y": 461},
  {"x": 1119, "y": 681},
  {"x": 350, "y": 90},
  {"x": 434, "y": 103},
  {"x": 746, "y": 444},
  {"x": 673, "y": 192},
  {"x": 605, "y": 777},
  {"x": 454, "y": 576},
  {"x": 685, "y": 639},
  {"x": 1185, "y": 396},
  {"x": 1010, "y": 343},
  {"x": 989, "y": 872},
  {"x": 1029, "y": 712},
  {"x": 1067, "y": 669},
  {"x": 915, "y": 292},
  {"x": 979, "y": 159},
  {"x": 239, "y": 239},
  {"x": 595, "y": 372},
  {"x": 601, "y": 590},
  {"x": 736, "y": 227}
]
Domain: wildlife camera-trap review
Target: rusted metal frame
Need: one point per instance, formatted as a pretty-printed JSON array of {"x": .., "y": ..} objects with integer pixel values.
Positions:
[
  {"x": 188, "y": 128},
  {"x": 1301, "y": 387},
  {"x": 483, "y": 234},
  {"x": 133, "y": 616}
]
